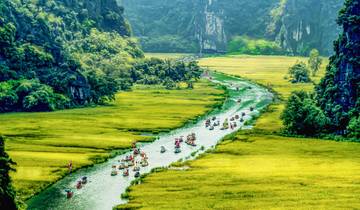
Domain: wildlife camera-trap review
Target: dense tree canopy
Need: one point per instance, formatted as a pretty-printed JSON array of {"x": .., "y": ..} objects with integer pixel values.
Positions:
[
  {"x": 7, "y": 194},
  {"x": 76, "y": 56},
  {"x": 302, "y": 116}
]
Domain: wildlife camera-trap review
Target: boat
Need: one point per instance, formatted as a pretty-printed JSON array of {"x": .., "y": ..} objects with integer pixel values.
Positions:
[
  {"x": 114, "y": 173},
  {"x": 144, "y": 163},
  {"x": 69, "y": 193},
  {"x": 237, "y": 117},
  {"x": 131, "y": 163},
  {"x": 83, "y": 180},
  {"x": 137, "y": 174},
  {"x": 177, "y": 150},
  {"x": 162, "y": 150},
  {"x": 122, "y": 166},
  {"x": 78, "y": 185},
  {"x": 136, "y": 168}
]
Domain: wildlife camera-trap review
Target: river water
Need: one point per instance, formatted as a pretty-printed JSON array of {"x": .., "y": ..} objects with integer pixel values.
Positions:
[{"x": 103, "y": 191}]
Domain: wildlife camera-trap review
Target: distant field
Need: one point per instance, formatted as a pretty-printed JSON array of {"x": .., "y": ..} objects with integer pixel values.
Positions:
[
  {"x": 167, "y": 55},
  {"x": 43, "y": 143},
  {"x": 259, "y": 169},
  {"x": 267, "y": 70}
]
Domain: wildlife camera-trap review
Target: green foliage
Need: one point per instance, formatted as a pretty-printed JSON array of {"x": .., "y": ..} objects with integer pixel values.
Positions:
[
  {"x": 246, "y": 45},
  {"x": 354, "y": 128},
  {"x": 314, "y": 61},
  {"x": 30, "y": 95},
  {"x": 7, "y": 193},
  {"x": 166, "y": 72},
  {"x": 338, "y": 92},
  {"x": 168, "y": 43},
  {"x": 302, "y": 117},
  {"x": 299, "y": 73},
  {"x": 69, "y": 60}
]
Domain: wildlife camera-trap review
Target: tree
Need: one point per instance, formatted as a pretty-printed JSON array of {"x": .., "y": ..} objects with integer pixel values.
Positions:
[
  {"x": 7, "y": 193},
  {"x": 354, "y": 128},
  {"x": 302, "y": 117},
  {"x": 299, "y": 73},
  {"x": 314, "y": 61}
]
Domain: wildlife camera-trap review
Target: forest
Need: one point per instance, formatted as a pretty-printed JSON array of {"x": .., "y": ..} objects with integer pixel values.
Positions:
[{"x": 72, "y": 59}]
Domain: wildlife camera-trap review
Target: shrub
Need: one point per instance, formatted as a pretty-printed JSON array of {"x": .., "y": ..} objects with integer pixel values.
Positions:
[
  {"x": 314, "y": 61},
  {"x": 354, "y": 128},
  {"x": 302, "y": 117},
  {"x": 299, "y": 73},
  {"x": 246, "y": 45}
]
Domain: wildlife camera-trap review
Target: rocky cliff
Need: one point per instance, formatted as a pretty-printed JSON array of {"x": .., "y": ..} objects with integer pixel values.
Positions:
[
  {"x": 301, "y": 25},
  {"x": 339, "y": 91},
  {"x": 209, "y": 27},
  {"x": 298, "y": 25}
]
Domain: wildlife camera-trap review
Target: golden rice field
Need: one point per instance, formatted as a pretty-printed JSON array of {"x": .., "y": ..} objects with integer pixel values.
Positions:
[
  {"x": 259, "y": 172},
  {"x": 42, "y": 144},
  {"x": 266, "y": 70},
  {"x": 259, "y": 169}
]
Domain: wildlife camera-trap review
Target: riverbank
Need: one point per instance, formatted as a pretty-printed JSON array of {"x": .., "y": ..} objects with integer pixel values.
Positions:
[
  {"x": 42, "y": 144},
  {"x": 258, "y": 168}
]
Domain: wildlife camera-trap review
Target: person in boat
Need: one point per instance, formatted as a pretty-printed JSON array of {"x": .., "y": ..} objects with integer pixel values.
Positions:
[
  {"x": 114, "y": 173},
  {"x": 181, "y": 139},
  {"x": 243, "y": 114},
  {"x": 78, "y": 185},
  {"x": 162, "y": 150},
  {"x": 211, "y": 128},
  {"x": 214, "y": 118},
  {"x": 70, "y": 166},
  {"x": 126, "y": 172},
  {"x": 83, "y": 180},
  {"x": 131, "y": 163},
  {"x": 251, "y": 109},
  {"x": 177, "y": 150},
  {"x": 136, "y": 168},
  {"x": 242, "y": 120},
  {"x": 69, "y": 193},
  {"x": 137, "y": 174},
  {"x": 121, "y": 166},
  {"x": 131, "y": 158},
  {"x": 144, "y": 163},
  {"x": 177, "y": 145}
]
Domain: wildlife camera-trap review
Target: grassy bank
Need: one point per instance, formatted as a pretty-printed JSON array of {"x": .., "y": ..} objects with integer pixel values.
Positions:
[
  {"x": 167, "y": 55},
  {"x": 259, "y": 169},
  {"x": 43, "y": 143}
]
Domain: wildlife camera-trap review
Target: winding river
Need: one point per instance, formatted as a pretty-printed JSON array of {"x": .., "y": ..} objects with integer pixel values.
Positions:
[{"x": 103, "y": 191}]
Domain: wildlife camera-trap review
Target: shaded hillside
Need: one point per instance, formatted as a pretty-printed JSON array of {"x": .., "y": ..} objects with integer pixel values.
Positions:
[{"x": 207, "y": 25}]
